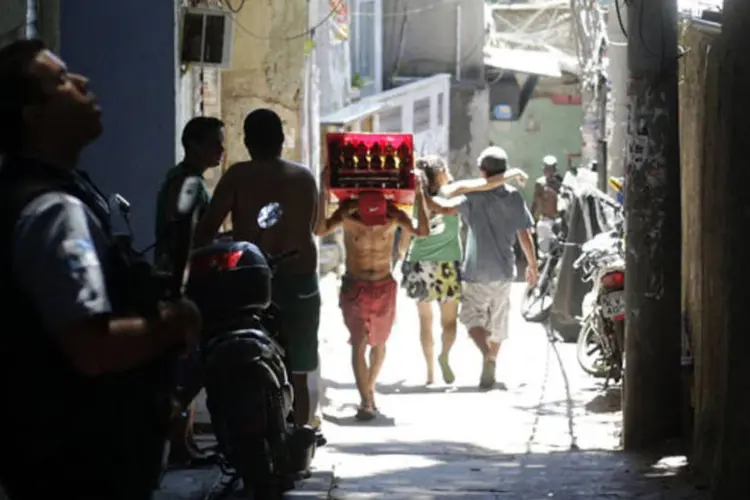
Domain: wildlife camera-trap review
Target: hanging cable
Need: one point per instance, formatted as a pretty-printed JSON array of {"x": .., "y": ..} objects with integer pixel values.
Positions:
[
  {"x": 202, "y": 93},
  {"x": 333, "y": 11},
  {"x": 229, "y": 6},
  {"x": 619, "y": 19},
  {"x": 305, "y": 34}
]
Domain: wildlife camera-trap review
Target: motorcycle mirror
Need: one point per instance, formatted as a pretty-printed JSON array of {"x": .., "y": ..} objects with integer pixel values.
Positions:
[
  {"x": 269, "y": 215},
  {"x": 121, "y": 203},
  {"x": 123, "y": 206}
]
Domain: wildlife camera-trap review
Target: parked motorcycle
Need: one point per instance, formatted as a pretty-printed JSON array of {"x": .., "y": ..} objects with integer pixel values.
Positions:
[
  {"x": 551, "y": 237},
  {"x": 601, "y": 341},
  {"x": 248, "y": 391}
]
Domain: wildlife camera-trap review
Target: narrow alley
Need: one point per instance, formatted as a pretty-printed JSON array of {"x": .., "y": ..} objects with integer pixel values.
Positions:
[{"x": 552, "y": 435}]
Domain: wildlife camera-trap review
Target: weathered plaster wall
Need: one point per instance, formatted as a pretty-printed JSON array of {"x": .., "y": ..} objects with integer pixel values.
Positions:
[
  {"x": 267, "y": 71},
  {"x": 332, "y": 61},
  {"x": 412, "y": 47},
  {"x": 704, "y": 304},
  {"x": 470, "y": 123},
  {"x": 545, "y": 128},
  {"x": 618, "y": 75},
  {"x": 191, "y": 98}
]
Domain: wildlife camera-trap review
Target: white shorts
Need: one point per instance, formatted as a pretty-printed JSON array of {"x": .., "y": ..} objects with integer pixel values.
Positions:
[
  {"x": 487, "y": 305},
  {"x": 545, "y": 234}
]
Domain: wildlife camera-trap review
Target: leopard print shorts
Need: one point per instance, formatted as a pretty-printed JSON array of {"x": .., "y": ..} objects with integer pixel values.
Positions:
[{"x": 428, "y": 281}]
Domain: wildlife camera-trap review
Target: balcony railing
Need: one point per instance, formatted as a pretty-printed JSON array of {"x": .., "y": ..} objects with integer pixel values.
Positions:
[{"x": 418, "y": 106}]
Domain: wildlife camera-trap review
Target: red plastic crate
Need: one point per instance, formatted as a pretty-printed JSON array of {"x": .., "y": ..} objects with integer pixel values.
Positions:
[{"x": 371, "y": 162}]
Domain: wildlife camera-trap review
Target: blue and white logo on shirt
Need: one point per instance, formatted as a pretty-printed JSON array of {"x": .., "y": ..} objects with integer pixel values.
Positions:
[{"x": 79, "y": 253}]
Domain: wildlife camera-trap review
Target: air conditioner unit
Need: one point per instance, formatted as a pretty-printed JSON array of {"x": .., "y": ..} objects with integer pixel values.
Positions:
[{"x": 206, "y": 37}]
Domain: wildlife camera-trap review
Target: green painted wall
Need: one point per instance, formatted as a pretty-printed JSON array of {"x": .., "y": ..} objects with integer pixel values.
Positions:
[{"x": 545, "y": 128}]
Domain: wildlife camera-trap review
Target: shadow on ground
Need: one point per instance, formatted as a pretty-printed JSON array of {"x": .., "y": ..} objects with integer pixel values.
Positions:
[
  {"x": 403, "y": 387},
  {"x": 609, "y": 401},
  {"x": 458, "y": 470},
  {"x": 349, "y": 420}
]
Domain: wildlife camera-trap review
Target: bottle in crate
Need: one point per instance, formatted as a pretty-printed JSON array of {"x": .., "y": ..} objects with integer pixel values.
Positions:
[{"x": 372, "y": 168}]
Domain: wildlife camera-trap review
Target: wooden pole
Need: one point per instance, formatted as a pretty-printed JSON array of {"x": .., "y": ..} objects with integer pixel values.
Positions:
[{"x": 652, "y": 386}]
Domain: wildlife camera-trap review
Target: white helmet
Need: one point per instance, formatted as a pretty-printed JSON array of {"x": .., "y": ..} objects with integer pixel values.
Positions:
[{"x": 549, "y": 161}]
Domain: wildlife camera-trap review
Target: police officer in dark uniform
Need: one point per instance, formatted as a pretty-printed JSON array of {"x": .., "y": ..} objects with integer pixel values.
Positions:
[{"x": 81, "y": 362}]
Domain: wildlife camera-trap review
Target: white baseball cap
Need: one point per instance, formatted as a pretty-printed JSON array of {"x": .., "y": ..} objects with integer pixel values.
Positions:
[{"x": 549, "y": 161}]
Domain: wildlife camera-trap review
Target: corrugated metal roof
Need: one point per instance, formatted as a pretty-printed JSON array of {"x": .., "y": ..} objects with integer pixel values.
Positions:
[{"x": 532, "y": 62}]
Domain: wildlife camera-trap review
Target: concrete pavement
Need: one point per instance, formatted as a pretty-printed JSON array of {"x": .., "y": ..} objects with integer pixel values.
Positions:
[{"x": 552, "y": 434}]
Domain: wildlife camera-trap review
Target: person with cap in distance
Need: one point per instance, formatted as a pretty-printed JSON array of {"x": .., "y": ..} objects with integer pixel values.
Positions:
[
  {"x": 495, "y": 218},
  {"x": 546, "y": 191}
]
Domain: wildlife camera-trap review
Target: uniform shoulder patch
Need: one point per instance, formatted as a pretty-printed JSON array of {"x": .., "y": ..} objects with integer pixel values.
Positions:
[{"x": 79, "y": 253}]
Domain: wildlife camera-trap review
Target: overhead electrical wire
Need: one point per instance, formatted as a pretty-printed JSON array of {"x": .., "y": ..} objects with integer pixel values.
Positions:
[
  {"x": 229, "y": 3},
  {"x": 304, "y": 34},
  {"x": 332, "y": 12}
]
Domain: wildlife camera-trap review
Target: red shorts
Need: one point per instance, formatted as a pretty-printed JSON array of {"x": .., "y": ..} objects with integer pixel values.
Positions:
[{"x": 369, "y": 308}]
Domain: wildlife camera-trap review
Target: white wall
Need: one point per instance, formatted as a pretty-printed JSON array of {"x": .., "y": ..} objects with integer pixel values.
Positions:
[{"x": 331, "y": 60}]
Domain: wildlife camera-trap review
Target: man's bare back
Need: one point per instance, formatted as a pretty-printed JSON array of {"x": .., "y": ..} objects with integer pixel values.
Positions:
[{"x": 245, "y": 188}]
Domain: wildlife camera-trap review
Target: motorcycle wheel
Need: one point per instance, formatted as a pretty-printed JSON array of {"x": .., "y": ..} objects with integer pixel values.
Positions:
[
  {"x": 265, "y": 473},
  {"x": 537, "y": 300},
  {"x": 591, "y": 351},
  {"x": 617, "y": 370}
]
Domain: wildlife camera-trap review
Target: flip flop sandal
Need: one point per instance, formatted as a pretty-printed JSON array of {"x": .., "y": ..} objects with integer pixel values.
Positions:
[
  {"x": 365, "y": 415},
  {"x": 487, "y": 381},
  {"x": 448, "y": 376}
]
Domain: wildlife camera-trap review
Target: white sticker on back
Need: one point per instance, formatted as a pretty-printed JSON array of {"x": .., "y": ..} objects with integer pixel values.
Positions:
[{"x": 79, "y": 253}]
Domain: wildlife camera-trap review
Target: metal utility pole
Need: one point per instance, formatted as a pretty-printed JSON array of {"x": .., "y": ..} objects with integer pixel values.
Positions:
[
  {"x": 652, "y": 386},
  {"x": 618, "y": 69},
  {"x": 602, "y": 92}
]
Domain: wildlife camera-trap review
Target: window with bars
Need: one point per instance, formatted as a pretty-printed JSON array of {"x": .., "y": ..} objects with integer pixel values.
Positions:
[{"x": 422, "y": 115}]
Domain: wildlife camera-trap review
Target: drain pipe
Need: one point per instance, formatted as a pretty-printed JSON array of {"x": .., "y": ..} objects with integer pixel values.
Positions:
[{"x": 458, "y": 43}]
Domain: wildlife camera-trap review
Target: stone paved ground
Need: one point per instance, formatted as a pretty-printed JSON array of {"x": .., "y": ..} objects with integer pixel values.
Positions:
[{"x": 552, "y": 435}]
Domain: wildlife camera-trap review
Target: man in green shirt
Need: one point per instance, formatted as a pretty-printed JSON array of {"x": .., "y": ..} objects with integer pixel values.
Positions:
[{"x": 203, "y": 141}]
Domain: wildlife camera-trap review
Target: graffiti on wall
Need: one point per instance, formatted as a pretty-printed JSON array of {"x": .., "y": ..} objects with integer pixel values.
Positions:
[{"x": 646, "y": 166}]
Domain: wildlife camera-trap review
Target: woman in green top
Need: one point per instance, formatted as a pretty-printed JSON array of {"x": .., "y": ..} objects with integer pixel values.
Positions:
[{"x": 432, "y": 268}]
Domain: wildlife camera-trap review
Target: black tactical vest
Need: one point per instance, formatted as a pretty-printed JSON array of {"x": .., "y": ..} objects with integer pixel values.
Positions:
[{"x": 66, "y": 433}]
